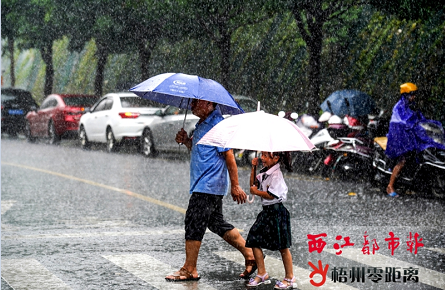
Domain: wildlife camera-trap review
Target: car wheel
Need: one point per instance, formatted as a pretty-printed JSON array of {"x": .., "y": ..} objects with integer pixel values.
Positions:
[
  {"x": 53, "y": 137},
  {"x": 112, "y": 145},
  {"x": 12, "y": 133},
  {"x": 438, "y": 188},
  {"x": 28, "y": 133},
  {"x": 147, "y": 146},
  {"x": 83, "y": 139}
]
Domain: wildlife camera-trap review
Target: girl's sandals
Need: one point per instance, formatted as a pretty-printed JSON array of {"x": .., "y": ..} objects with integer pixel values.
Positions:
[
  {"x": 290, "y": 284},
  {"x": 254, "y": 283}
]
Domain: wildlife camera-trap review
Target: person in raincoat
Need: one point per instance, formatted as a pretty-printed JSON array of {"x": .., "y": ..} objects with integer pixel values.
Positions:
[
  {"x": 210, "y": 170},
  {"x": 406, "y": 136}
]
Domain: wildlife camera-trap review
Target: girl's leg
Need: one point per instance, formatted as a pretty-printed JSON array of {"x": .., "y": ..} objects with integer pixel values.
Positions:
[
  {"x": 259, "y": 259},
  {"x": 286, "y": 256}
]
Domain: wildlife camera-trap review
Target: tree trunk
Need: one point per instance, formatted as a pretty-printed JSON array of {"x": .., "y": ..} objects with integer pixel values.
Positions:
[
  {"x": 313, "y": 37},
  {"x": 102, "y": 55},
  {"x": 224, "y": 48},
  {"x": 315, "y": 47},
  {"x": 145, "y": 51},
  {"x": 47, "y": 56},
  {"x": 11, "y": 57}
]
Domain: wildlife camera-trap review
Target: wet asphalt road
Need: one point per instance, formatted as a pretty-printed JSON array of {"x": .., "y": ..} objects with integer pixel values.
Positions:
[{"x": 74, "y": 219}]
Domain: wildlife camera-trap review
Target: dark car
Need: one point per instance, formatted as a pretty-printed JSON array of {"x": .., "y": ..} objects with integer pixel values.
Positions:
[
  {"x": 58, "y": 116},
  {"x": 16, "y": 103}
]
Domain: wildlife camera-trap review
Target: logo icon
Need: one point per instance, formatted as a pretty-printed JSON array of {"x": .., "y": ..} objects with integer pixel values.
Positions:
[{"x": 179, "y": 83}]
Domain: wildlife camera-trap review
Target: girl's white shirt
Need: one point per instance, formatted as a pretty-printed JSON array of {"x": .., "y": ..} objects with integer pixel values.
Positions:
[{"x": 274, "y": 183}]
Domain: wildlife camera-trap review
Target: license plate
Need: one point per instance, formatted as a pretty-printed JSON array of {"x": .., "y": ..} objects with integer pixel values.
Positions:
[{"x": 15, "y": 112}]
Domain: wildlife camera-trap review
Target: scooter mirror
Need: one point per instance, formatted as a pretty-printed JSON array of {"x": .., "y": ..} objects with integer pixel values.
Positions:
[
  {"x": 324, "y": 117},
  {"x": 294, "y": 116},
  {"x": 281, "y": 114}
]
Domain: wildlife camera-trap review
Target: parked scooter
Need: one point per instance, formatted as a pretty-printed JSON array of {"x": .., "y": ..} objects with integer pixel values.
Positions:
[
  {"x": 350, "y": 156},
  {"x": 378, "y": 124},
  {"x": 312, "y": 162},
  {"x": 424, "y": 174}
]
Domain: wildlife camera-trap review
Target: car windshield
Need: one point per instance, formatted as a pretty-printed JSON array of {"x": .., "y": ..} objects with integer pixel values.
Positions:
[
  {"x": 80, "y": 101},
  {"x": 17, "y": 97},
  {"x": 247, "y": 105},
  {"x": 136, "y": 102}
]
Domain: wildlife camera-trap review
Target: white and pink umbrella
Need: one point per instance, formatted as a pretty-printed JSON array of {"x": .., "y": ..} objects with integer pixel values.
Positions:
[{"x": 257, "y": 131}]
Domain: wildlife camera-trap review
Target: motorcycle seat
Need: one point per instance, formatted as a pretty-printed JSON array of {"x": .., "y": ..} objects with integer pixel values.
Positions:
[{"x": 381, "y": 141}]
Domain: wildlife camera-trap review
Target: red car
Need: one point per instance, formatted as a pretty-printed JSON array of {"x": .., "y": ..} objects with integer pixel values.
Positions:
[{"x": 58, "y": 116}]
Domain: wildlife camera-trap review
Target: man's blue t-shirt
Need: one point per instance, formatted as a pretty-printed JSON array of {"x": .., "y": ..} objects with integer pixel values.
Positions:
[{"x": 208, "y": 169}]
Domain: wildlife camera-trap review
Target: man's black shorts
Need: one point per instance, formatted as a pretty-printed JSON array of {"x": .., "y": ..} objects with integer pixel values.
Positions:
[{"x": 205, "y": 211}]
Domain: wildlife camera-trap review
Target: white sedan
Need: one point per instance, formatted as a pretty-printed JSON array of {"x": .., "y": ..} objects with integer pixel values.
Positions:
[
  {"x": 162, "y": 129},
  {"x": 115, "y": 118},
  {"x": 152, "y": 129}
]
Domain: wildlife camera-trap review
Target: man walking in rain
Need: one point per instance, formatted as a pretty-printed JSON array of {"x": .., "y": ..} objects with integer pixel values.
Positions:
[{"x": 210, "y": 170}]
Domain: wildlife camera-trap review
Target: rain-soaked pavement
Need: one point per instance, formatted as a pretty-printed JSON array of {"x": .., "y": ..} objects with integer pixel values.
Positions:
[{"x": 73, "y": 219}]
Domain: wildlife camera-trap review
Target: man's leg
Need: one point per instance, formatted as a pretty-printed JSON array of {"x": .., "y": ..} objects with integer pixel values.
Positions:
[
  {"x": 194, "y": 232},
  {"x": 191, "y": 260},
  {"x": 234, "y": 238},
  {"x": 395, "y": 173},
  {"x": 191, "y": 256}
]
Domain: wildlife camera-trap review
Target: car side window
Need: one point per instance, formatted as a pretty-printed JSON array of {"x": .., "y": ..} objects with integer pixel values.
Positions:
[
  {"x": 100, "y": 106},
  {"x": 108, "y": 104},
  {"x": 53, "y": 103},
  {"x": 46, "y": 104},
  {"x": 173, "y": 111}
]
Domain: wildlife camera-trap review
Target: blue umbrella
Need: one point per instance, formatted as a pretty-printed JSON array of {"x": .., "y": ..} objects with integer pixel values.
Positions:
[
  {"x": 179, "y": 89},
  {"x": 348, "y": 102}
]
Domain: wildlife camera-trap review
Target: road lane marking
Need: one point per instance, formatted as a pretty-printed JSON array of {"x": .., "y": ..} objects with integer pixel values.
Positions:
[
  {"x": 275, "y": 269},
  {"x": 153, "y": 271},
  {"x": 130, "y": 193},
  {"x": 439, "y": 250},
  {"x": 30, "y": 274},
  {"x": 426, "y": 276},
  {"x": 6, "y": 205},
  {"x": 89, "y": 235}
]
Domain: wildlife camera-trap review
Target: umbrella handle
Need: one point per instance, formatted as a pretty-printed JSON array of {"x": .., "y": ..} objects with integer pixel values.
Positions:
[
  {"x": 256, "y": 152},
  {"x": 185, "y": 116}
]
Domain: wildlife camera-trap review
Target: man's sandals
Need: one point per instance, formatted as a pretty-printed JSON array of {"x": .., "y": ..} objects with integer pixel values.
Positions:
[
  {"x": 182, "y": 275},
  {"x": 246, "y": 274}
]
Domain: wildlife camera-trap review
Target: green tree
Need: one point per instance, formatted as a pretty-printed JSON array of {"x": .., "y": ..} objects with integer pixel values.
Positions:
[
  {"x": 40, "y": 25},
  {"x": 409, "y": 9},
  {"x": 144, "y": 23},
  {"x": 312, "y": 18},
  {"x": 218, "y": 20},
  {"x": 98, "y": 20},
  {"x": 122, "y": 26},
  {"x": 10, "y": 30}
]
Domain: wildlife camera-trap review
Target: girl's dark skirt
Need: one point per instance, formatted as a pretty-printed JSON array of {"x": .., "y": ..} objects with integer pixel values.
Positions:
[{"x": 271, "y": 229}]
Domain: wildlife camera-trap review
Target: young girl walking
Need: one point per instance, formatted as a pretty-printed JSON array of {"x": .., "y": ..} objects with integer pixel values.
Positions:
[{"x": 271, "y": 229}]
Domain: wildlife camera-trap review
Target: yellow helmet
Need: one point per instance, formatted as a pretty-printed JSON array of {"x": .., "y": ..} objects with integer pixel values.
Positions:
[{"x": 408, "y": 88}]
